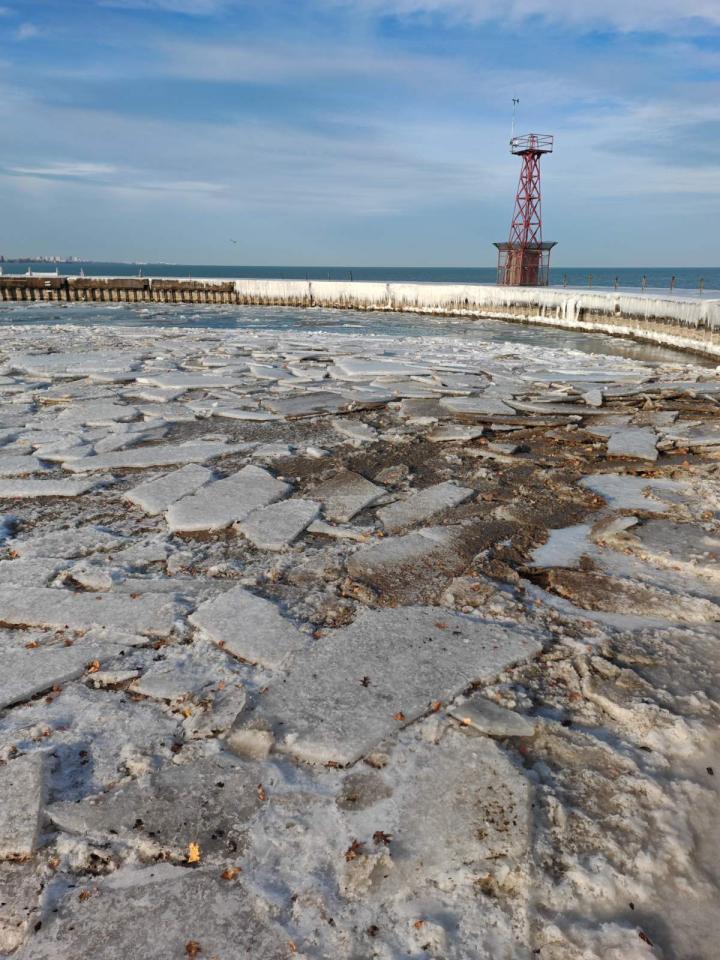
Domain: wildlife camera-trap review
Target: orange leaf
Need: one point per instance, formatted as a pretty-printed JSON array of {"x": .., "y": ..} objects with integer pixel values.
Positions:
[{"x": 354, "y": 850}]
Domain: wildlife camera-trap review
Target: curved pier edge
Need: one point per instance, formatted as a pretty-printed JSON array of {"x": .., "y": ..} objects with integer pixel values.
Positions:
[{"x": 686, "y": 323}]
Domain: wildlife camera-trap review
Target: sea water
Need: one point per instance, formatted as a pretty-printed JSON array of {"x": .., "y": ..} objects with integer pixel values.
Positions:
[
  {"x": 321, "y": 319},
  {"x": 628, "y": 278}
]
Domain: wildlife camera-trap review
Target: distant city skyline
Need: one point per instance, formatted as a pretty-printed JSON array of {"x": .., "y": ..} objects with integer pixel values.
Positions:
[{"x": 363, "y": 132}]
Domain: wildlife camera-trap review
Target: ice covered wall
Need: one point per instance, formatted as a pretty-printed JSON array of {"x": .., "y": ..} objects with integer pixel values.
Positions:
[{"x": 567, "y": 305}]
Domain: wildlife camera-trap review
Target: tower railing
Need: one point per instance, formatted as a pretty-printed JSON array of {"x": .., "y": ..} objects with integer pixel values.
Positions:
[{"x": 532, "y": 143}]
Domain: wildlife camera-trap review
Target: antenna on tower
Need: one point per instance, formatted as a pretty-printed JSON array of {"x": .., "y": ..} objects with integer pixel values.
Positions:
[{"x": 516, "y": 101}]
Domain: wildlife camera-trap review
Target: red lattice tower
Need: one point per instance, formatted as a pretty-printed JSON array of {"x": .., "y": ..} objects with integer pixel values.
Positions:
[{"x": 524, "y": 260}]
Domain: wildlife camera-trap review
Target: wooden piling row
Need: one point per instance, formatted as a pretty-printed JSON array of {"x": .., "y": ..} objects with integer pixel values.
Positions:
[{"x": 115, "y": 290}]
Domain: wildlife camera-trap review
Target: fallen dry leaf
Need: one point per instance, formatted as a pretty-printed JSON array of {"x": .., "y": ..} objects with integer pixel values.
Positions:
[
  {"x": 399, "y": 716},
  {"x": 381, "y": 837},
  {"x": 354, "y": 850},
  {"x": 93, "y": 666},
  {"x": 192, "y": 948},
  {"x": 193, "y": 852},
  {"x": 261, "y": 792},
  {"x": 230, "y": 873}
]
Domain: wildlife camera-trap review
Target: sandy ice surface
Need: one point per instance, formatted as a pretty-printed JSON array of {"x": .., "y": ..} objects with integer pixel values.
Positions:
[{"x": 325, "y": 646}]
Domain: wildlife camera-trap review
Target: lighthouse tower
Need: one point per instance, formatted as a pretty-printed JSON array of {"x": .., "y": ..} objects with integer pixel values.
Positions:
[{"x": 524, "y": 261}]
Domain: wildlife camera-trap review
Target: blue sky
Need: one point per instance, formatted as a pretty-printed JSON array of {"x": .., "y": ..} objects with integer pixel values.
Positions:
[{"x": 359, "y": 132}]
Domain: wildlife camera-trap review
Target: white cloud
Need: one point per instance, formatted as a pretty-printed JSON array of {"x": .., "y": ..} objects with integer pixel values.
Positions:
[
  {"x": 624, "y": 15},
  {"x": 197, "y": 8},
  {"x": 110, "y": 175},
  {"x": 627, "y": 15},
  {"x": 26, "y": 31},
  {"x": 63, "y": 170},
  {"x": 273, "y": 62}
]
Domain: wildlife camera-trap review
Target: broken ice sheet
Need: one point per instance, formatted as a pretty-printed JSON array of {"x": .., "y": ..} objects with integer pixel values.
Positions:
[
  {"x": 612, "y": 594},
  {"x": 362, "y": 368},
  {"x": 30, "y": 663},
  {"x": 249, "y": 627},
  {"x": 346, "y": 494},
  {"x": 183, "y": 673},
  {"x": 207, "y": 801},
  {"x": 490, "y": 718},
  {"x": 457, "y": 808},
  {"x": 155, "y": 496},
  {"x": 384, "y": 670},
  {"x": 278, "y": 525},
  {"x": 14, "y": 466},
  {"x": 308, "y": 404},
  {"x": 151, "y": 614},
  {"x": 155, "y": 455},
  {"x": 217, "y": 505},
  {"x": 423, "y": 504},
  {"x": 454, "y": 433},
  {"x": 22, "y": 794},
  {"x": 678, "y": 546},
  {"x": 564, "y": 547},
  {"x": 196, "y": 906},
  {"x": 26, "y": 489},
  {"x": 33, "y": 572},
  {"x": 74, "y": 364},
  {"x": 634, "y": 442},
  {"x": 118, "y": 735},
  {"x": 480, "y": 408},
  {"x": 356, "y": 430},
  {"x": 636, "y": 493},
  {"x": 412, "y": 567},
  {"x": 20, "y": 889},
  {"x": 96, "y": 413},
  {"x": 68, "y": 543}
]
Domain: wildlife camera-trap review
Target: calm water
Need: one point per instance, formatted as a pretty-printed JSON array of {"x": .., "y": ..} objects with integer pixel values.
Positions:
[
  {"x": 321, "y": 320},
  {"x": 687, "y": 278}
]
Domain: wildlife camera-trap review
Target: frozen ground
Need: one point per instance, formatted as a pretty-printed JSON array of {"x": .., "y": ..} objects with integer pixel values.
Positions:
[{"x": 328, "y": 646}]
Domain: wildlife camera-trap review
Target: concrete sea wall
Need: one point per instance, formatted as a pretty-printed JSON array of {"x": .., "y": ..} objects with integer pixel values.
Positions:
[{"x": 688, "y": 323}]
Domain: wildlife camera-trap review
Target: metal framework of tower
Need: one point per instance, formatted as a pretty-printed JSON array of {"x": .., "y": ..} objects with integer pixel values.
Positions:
[{"x": 524, "y": 261}]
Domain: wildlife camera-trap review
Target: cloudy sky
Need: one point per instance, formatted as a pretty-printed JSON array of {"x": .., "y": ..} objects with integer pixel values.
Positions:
[{"x": 357, "y": 132}]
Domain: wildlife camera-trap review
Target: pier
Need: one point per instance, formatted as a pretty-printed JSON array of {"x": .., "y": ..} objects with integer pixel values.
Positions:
[{"x": 688, "y": 323}]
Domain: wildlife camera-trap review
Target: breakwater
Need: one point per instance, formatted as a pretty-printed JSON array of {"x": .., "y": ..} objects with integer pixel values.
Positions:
[{"x": 688, "y": 323}]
